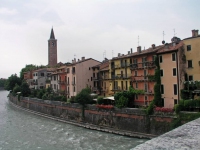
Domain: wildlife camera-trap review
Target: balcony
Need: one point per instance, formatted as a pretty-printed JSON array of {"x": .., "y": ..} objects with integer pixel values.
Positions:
[
  {"x": 96, "y": 78},
  {"x": 117, "y": 88},
  {"x": 73, "y": 82},
  {"x": 123, "y": 65},
  {"x": 61, "y": 82},
  {"x": 142, "y": 78},
  {"x": 67, "y": 92},
  {"x": 105, "y": 77},
  {"x": 120, "y": 76},
  {"x": 95, "y": 89},
  {"x": 147, "y": 64}
]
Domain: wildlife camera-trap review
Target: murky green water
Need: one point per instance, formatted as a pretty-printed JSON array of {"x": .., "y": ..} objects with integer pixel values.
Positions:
[{"x": 20, "y": 130}]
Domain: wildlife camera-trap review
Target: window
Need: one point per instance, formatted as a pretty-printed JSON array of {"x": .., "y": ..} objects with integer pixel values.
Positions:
[
  {"x": 153, "y": 57},
  {"x": 54, "y": 86},
  {"x": 145, "y": 87},
  {"x": 145, "y": 74},
  {"x": 162, "y": 89},
  {"x": 36, "y": 74},
  {"x": 162, "y": 102},
  {"x": 93, "y": 74},
  {"x": 68, "y": 70},
  {"x": 173, "y": 57},
  {"x": 136, "y": 85},
  {"x": 161, "y": 72},
  {"x": 135, "y": 73},
  {"x": 91, "y": 78},
  {"x": 175, "y": 101},
  {"x": 190, "y": 77},
  {"x": 160, "y": 58},
  {"x": 174, "y": 71},
  {"x": 74, "y": 89},
  {"x": 136, "y": 96},
  {"x": 175, "y": 89},
  {"x": 188, "y": 47},
  {"x": 89, "y": 68},
  {"x": 189, "y": 63},
  {"x": 145, "y": 98},
  {"x": 54, "y": 77}
]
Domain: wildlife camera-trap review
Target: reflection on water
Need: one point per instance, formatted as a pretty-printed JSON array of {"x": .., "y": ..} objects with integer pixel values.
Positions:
[{"x": 20, "y": 130}]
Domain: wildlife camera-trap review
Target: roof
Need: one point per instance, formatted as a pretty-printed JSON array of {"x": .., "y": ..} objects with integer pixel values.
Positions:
[
  {"x": 52, "y": 34},
  {"x": 191, "y": 37},
  {"x": 80, "y": 61},
  {"x": 147, "y": 51},
  {"x": 171, "y": 48}
]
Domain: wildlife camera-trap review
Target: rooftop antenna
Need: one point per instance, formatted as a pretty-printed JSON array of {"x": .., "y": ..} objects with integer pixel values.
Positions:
[
  {"x": 163, "y": 42},
  {"x": 112, "y": 53},
  {"x": 163, "y": 35},
  {"x": 104, "y": 54},
  {"x": 138, "y": 40},
  {"x": 174, "y": 32}
]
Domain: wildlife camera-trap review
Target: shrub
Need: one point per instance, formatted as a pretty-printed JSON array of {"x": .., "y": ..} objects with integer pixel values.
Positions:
[
  {"x": 44, "y": 97},
  {"x": 100, "y": 100},
  {"x": 177, "y": 108},
  {"x": 150, "y": 109},
  {"x": 121, "y": 102}
]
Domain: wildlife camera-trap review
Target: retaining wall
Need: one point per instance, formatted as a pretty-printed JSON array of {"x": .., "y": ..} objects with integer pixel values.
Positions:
[{"x": 129, "y": 119}]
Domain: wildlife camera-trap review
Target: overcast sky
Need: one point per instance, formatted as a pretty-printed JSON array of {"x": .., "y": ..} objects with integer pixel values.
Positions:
[{"x": 90, "y": 28}]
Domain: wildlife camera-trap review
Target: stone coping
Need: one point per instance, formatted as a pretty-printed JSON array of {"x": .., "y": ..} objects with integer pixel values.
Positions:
[{"x": 185, "y": 137}]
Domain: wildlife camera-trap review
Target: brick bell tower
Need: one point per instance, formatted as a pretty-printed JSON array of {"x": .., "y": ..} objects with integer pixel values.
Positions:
[{"x": 52, "y": 50}]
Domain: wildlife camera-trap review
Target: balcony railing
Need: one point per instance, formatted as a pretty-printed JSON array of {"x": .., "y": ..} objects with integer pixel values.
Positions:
[
  {"x": 147, "y": 64},
  {"x": 142, "y": 78},
  {"x": 122, "y": 65},
  {"x": 117, "y": 88},
  {"x": 120, "y": 76},
  {"x": 73, "y": 82},
  {"x": 105, "y": 77},
  {"x": 95, "y": 89},
  {"x": 61, "y": 82}
]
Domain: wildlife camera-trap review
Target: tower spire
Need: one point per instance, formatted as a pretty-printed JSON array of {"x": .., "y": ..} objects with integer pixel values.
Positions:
[{"x": 52, "y": 34}]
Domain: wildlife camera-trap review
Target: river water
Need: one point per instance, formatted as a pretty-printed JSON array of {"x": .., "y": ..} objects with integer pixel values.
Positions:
[{"x": 20, "y": 130}]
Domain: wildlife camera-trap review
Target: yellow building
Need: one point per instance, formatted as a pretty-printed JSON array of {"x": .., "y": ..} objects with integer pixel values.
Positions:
[
  {"x": 192, "y": 53},
  {"x": 119, "y": 74}
]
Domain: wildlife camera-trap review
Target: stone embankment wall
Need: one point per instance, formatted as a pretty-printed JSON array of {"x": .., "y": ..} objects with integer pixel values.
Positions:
[{"x": 129, "y": 119}]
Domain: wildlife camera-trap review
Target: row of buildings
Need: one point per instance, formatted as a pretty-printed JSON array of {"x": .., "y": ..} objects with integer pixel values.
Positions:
[{"x": 179, "y": 61}]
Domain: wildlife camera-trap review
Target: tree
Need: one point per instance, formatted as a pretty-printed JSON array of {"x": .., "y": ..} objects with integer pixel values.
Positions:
[
  {"x": 16, "y": 89},
  {"x": 2, "y": 82},
  {"x": 83, "y": 98},
  {"x": 121, "y": 102},
  {"x": 12, "y": 81},
  {"x": 25, "y": 90},
  {"x": 25, "y": 69}
]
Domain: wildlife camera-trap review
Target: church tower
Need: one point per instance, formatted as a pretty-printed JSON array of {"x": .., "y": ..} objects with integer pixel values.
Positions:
[{"x": 52, "y": 50}]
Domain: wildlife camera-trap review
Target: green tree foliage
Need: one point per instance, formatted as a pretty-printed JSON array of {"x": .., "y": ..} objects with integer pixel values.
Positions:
[
  {"x": 2, "y": 82},
  {"x": 157, "y": 93},
  {"x": 16, "y": 89},
  {"x": 12, "y": 81},
  {"x": 149, "y": 110},
  {"x": 121, "y": 102},
  {"x": 83, "y": 98},
  {"x": 100, "y": 100},
  {"x": 25, "y": 90},
  {"x": 27, "y": 68}
]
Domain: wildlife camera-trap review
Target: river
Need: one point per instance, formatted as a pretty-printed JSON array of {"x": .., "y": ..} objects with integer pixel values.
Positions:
[{"x": 20, "y": 130}]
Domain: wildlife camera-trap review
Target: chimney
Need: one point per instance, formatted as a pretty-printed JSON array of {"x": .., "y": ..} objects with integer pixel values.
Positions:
[
  {"x": 118, "y": 54},
  {"x": 195, "y": 33},
  {"x": 131, "y": 51},
  {"x": 128, "y": 52},
  {"x": 83, "y": 58},
  {"x": 153, "y": 46},
  {"x": 139, "y": 49},
  {"x": 166, "y": 46}
]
